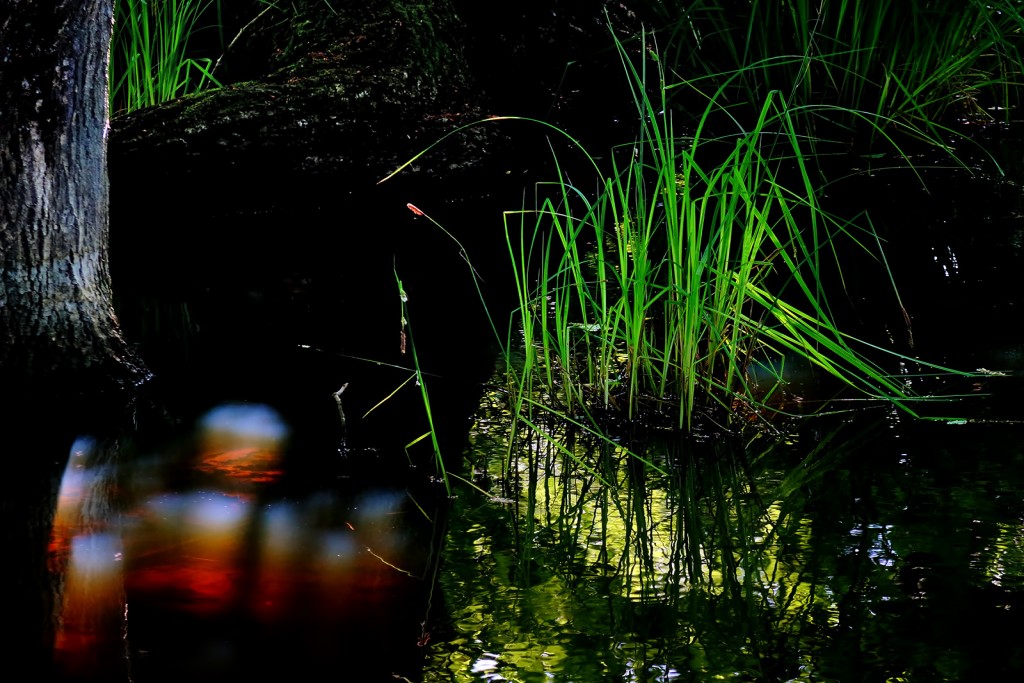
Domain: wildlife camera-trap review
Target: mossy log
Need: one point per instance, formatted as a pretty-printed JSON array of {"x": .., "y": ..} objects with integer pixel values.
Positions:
[{"x": 330, "y": 99}]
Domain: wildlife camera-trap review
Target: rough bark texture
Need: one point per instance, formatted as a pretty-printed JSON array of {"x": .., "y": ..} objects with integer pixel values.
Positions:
[
  {"x": 60, "y": 348},
  {"x": 56, "y": 317}
]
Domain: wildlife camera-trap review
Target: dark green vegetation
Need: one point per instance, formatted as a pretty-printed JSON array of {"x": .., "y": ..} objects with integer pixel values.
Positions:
[
  {"x": 914, "y": 62},
  {"x": 680, "y": 275},
  {"x": 719, "y": 272},
  {"x": 725, "y": 268},
  {"x": 708, "y": 249},
  {"x": 702, "y": 255}
]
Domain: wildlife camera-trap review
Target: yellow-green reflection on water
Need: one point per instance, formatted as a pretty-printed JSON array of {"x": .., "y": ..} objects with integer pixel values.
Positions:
[{"x": 828, "y": 560}]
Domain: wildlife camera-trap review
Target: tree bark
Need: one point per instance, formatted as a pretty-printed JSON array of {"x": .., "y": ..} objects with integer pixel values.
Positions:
[
  {"x": 56, "y": 316},
  {"x": 63, "y": 361}
]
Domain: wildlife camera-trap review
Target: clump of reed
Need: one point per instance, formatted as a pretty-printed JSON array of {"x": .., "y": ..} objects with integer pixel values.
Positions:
[
  {"x": 704, "y": 255},
  {"x": 916, "y": 60},
  {"x": 700, "y": 253},
  {"x": 150, "y": 58}
]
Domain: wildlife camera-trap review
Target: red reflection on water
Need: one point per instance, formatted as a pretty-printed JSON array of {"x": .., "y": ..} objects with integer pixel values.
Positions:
[
  {"x": 187, "y": 584},
  {"x": 250, "y": 464},
  {"x": 185, "y": 548},
  {"x": 325, "y": 574},
  {"x": 92, "y": 605}
]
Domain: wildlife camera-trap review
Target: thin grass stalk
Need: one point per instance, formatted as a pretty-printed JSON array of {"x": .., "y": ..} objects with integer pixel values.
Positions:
[
  {"x": 567, "y": 276},
  {"x": 521, "y": 377},
  {"x": 422, "y": 386}
]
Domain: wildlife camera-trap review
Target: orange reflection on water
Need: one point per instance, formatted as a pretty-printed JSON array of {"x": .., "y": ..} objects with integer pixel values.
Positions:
[
  {"x": 248, "y": 464},
  {"x": 93, "y": 593},
  {"x": 185, "y": 549},
  {"x": 85, "y": 551},
  {"x": 193, "y": 550}
]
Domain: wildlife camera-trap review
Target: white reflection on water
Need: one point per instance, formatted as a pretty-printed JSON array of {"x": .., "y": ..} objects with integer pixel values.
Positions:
[
  {"x": 216, "y": 512},
  {"x": 246, "y": 422}
]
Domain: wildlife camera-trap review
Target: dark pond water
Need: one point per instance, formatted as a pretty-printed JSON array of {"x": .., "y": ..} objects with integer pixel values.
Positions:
[
  {"x": 866, "y": 547},
  {"x": 244, "y": 533},
  {"x": 256, "y": 523},
  {"x": 874, "y": 549},
  {"x": 204, "y": 557},
  {"x": 885, "y": 552}
]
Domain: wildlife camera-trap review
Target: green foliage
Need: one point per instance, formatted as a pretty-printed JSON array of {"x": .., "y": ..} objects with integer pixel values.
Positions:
[
  {"x": 699, "y": 256},
  {"x": 917, "y": 60},
  {"x": 150, "y": 61},
  {"x": 428, "y": 24}
]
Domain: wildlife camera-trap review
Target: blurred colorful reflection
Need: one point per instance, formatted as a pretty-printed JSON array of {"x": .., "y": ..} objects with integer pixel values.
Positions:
[
  {"x": 241, "y": 444},
  {"x": 196, "y": 583},
  {"x": 86, "y": 551}
]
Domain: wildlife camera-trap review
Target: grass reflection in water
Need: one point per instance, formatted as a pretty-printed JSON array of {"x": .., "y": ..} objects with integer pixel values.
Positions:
[{"x": 869, "y": 552}]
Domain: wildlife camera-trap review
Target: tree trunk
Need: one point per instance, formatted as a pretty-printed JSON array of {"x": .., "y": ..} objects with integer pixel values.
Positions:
[
  {"x": 56, "y": 317},
  {"x": 60, "y": 345}
]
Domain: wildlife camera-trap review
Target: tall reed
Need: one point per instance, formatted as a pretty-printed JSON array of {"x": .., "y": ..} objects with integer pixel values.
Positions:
[
  {"x": 701, "y": 252},
  {"x": 150, "y": 58},
  {"x": 917, "y": 59},
  {"x": 698, "y": 254}
]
